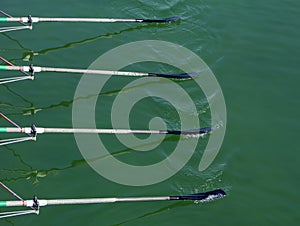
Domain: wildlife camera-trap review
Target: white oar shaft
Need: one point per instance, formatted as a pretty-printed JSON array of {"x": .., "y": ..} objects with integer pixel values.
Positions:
[
  {"x": 40, "y": 130},
  {"x": 95, "y": 20},
  {"x": 107, "y": 131},
  {"x": 90, "y": 71},
  {"x": 101, "y": 200},
  {"x": 72, "y": 70},
  {"x": 44, "y": 202}
]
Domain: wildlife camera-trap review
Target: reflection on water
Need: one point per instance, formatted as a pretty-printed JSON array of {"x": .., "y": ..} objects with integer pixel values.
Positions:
[
  {"x": 156, "y": 212},
  {"x": 28, "y": 55},
  {"x": 34, "y": 174}
]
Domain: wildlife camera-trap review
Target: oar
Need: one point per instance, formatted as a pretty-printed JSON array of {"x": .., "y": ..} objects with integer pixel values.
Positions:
[
  {"x": 33, "y": 69},
  {"x": 33, "y": 131},
  {"x": 29, "y": 71},
  {"x": 40, "y": 130},
  {"x": 205, "y": 196},
  {"x": 36, "y": 203},
  {"x": 28, "y": 21}
]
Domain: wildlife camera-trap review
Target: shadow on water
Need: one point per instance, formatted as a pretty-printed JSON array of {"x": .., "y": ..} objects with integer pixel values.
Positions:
[
  {"x": 28, "y": 54},
  {"x": 156, "y": 212},
  {"x": 34, "y": 174},
  {"x": 29, "y": 107},
  {"x": 31, "y": 173},
  {"x": 7, "y": 105},
  {"x": 17, "y": 42}
]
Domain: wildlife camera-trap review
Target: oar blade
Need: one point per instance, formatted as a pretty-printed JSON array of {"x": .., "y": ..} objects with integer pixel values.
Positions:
[
  {"x": 177, "y": 76},
  {"x": 203, "y": 197},
  {"x": 163, "y": 20},
  {"x": 202, "y": 131}
]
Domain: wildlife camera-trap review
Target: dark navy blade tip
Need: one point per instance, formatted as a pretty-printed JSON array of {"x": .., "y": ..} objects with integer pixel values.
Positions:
[
  {"x": 163, "y": 20},
  {"x": 205, "y": 130},
  {"x": 192, "y": 131},
  {"x": 177, "y": 76},
  {"x": 212, "y": 195},
  {"x": 203, "y": 197},
  {"x": 172, "y": 19},
  {"x": 197, "y": 131},
  {"x": 217, "y": 192},
  {"x": 177, "y": 132},
  {"x": 184, "y": 75},
  {"x": 193, "y": 74}
]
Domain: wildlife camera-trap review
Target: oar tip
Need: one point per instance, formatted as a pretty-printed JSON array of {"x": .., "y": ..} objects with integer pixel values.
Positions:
[
  {"x": 172, "y": 19},
  {"x": 201, "y": 131},
  {"x": 163, "y": 20},
  {"x": 205, "y": 130},
  {"x": 175, "y": 76},
  {"x": 186, "y": 75},
  {"x": 205, "y": 196},
  {"x": 219, "y": 192},
  {"x": 213, "y": 195}
]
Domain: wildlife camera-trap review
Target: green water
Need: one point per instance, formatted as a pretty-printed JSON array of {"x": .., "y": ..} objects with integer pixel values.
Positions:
[{"x": 253, "y": 49}]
